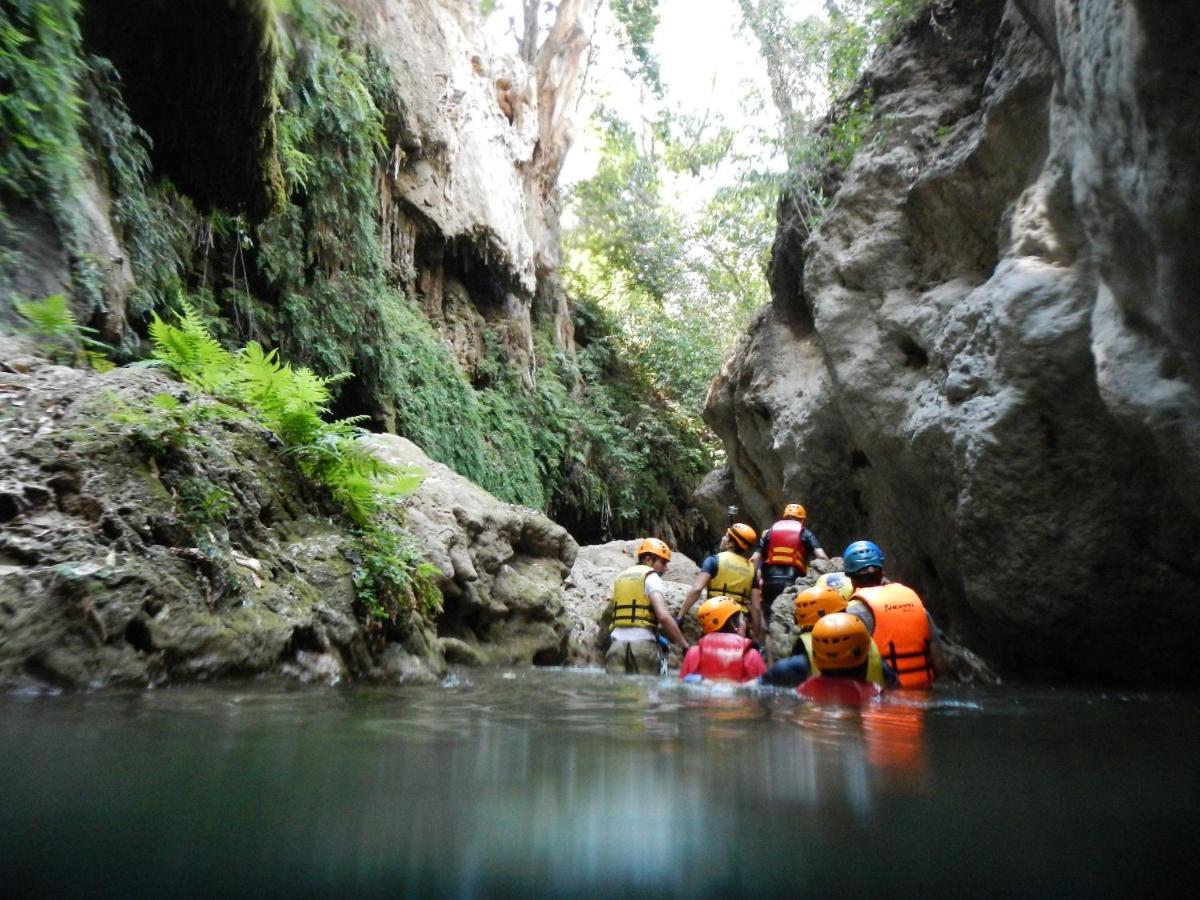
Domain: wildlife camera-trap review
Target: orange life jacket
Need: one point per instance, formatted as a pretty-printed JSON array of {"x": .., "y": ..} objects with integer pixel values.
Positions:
[
  {"x": 901, "y": 632},
  {"x": 785, "y": 547},
  {"x": 722, "y": 657}
]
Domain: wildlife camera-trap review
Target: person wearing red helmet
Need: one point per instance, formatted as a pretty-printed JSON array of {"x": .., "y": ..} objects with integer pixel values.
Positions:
[
  {"x": 728, "y": 573},
  {"x": 722, "y": 654},
  {"x": 639, "y": 609}
]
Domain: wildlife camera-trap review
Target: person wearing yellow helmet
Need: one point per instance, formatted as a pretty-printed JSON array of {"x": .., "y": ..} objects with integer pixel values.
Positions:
[
  {"x": 639, "y": 611},
  {"x": 782, "y": 556},
  {"x": 727, "y": 573},
  {"x": 841, "y": 650},
  {"x": 722, "y": 654}
]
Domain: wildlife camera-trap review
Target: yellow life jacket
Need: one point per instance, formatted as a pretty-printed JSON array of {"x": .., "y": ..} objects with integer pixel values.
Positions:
[
  {"x": 734, "y": 578},
  {"x": 631, "y": 603},
  {"x": 874, "y": 661}
]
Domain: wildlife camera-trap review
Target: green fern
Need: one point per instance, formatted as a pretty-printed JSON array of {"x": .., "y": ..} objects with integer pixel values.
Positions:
[
  {"x": 53, "y": 326},
  {"x": 192, "y": 352}
]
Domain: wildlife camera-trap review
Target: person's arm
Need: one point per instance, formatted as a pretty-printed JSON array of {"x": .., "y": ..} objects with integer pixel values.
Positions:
[
  {"x": 665, "y": 621},
  {"x": 693, "y": 595},
  {"x": 787, "y": 672},
  {"x": 814, "y": 546},
  {"x": 753, "y": 663},
  {"x": 860, "y": 609},
  {"x": 756, "y": 616},
  {"x": 937, "y": 649},
  {"x": 691, "y": 661},
  {"x": 760, "y": 549}
]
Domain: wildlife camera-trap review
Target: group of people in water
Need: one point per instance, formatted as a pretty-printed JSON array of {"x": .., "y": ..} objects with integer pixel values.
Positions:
[{"x": 858, "y": 632}]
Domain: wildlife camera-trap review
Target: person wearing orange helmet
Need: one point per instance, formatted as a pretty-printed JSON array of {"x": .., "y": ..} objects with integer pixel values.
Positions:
[
  {"x": 722, "y": 654},
  {"x": 841, "y": 649},
  {"x": 727, "y": 573},
  {"x": 782, "y": 556},
  {"x": 639, "y": 611},
  {"x": 813, "y": 604}
]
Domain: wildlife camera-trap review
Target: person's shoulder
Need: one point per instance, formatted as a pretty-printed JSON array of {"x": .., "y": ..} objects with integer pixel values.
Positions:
[{"x": 711, "y": 564}]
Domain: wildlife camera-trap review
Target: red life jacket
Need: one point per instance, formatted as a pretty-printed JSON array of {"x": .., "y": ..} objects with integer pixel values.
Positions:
[
  {"x": 723, "y": 657},
  {"x": 785, "y": 547},
  {"x": 901, "y": 632},
  {"x": 826, "y": 689}
]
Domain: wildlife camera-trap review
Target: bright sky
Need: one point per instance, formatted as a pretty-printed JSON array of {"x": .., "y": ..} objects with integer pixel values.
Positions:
[{"x": 706, "y": 60}]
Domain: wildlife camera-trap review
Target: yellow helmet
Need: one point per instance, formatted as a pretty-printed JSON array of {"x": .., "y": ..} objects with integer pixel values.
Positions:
[
  {"x": 655, "y": 547},
  {"x": 839, "y": 581},
  {"x": 742, "y": 535},
  {"x": 714, "y": 613},
  {"x": 840, "y": 641},
  {"x": 795, "y": 511},
  {"x": 817, "y": 601}
]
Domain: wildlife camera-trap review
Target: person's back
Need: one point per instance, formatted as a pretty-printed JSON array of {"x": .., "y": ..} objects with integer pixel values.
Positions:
[
  {"x": 901, "y": 628},
  {"x": 722, "y": 654},
  {"x": 639, "y": 613},
  {"x": 841, "y": 651}
]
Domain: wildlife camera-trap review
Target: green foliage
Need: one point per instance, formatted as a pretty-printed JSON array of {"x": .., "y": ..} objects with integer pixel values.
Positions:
[
  {"x": 395, "y": 575},
  {"x": 811, "y": 61},
  {"x": 40, "y": 68},
  {"x": 638, "y": 20},
  {"x": 52, "y": 325},
  {"x": 681, "y": 278},
  {"x": 292, "y": 403}
]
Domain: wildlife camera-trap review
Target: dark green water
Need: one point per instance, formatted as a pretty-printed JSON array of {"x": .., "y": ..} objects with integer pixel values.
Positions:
[{"x": 551, "y": 782}]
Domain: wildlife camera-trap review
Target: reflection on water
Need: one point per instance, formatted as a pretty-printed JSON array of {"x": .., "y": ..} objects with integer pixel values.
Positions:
[{"x": 572, "y": 782}]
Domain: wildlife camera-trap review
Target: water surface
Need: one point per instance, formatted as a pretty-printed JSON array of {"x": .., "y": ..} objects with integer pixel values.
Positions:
[{"x": 572, "y": 782}]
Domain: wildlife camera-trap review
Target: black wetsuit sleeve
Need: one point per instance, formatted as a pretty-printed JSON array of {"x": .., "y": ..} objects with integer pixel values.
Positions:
[{"x": 787, "y": 672}]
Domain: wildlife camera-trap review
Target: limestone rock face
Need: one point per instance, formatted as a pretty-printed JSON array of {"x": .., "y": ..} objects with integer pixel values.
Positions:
[
  {"x": 985, "y": 357},
  {"x": 502, "y": 565},
  {"x": 456, "y": 226}
]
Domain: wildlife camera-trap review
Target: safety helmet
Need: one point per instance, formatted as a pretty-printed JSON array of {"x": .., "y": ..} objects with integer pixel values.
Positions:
[
  {"x": 714, "y": 613},
  {"x": 742, "y": 535},
  {"x": 862, "y": 555},
  {"x": 840, "y": 641},
  {"x": 817, "y": 601},
  {"x": 795, "y": 511},
  {"x": 839, "y": 581},
  {"x": 654, "y": 547}
]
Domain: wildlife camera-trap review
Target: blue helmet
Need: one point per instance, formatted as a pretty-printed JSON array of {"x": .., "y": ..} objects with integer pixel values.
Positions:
[{"x": 862, "y": 555}]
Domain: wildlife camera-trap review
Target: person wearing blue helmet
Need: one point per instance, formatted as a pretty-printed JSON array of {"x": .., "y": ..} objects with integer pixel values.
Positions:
[
  {"x": 863, "y": 562},
  {"x": 894, "y": 620}
]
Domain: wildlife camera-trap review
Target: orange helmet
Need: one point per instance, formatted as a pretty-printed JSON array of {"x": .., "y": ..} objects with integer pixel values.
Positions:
[
  {"x": 714, "y": 613},
  {"x": 816, "y": 601},
  {"x": 795, "y": 511},
  {"x": 742, "y": 535},
  {"x": 655, "y": 547},
  {"x": 840, "y": 641}
]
